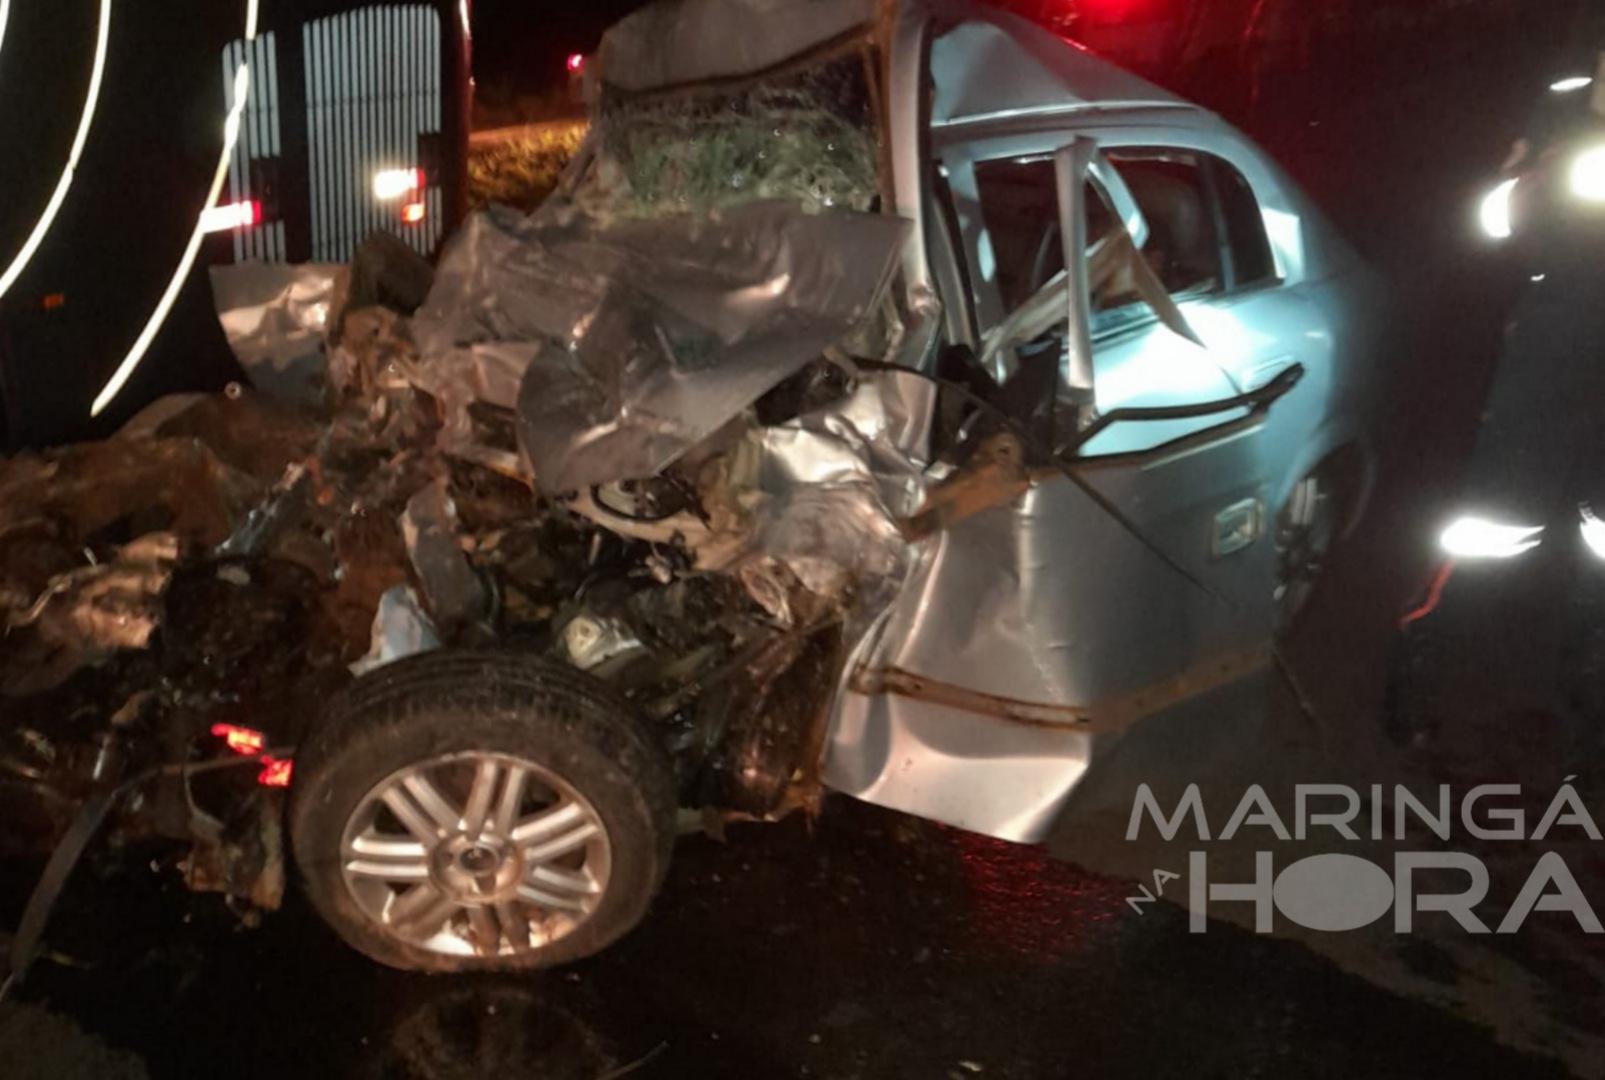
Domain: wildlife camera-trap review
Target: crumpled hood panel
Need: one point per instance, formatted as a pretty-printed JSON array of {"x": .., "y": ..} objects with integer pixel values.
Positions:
[{"x": 654, "y": 333}]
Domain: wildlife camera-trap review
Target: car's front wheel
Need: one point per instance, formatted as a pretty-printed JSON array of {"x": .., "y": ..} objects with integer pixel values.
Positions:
[
  {"x": 1318, "y": 513},
  {"x": 480, "y": 811}
]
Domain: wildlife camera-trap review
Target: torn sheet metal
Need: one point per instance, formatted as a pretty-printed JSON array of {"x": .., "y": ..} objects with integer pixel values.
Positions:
[
  {"x": 838, "y": 541},
  {"x": 875, "y": 436},
  {"x": 895, "y": 411},
  {"x": 833, "y": 489},
  {"x": 669, "y": 44},
  {"x": 463, "y": 382},
  {"x": 95, "y": 610},
  {"x": 490, "y": 373},
  {"x": 276, "y": 317},
  {"x": 707, "y": 315},
  {"x": 507, "y": 277}
]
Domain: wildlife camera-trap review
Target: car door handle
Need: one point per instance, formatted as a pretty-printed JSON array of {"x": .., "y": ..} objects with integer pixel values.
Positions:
[{"x": 1237, "y": 527}]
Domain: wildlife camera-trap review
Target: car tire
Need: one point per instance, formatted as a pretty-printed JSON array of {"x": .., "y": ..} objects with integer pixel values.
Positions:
[
  {"x": 1316, "y": 516},
  {"x": 480, "y": 811}
]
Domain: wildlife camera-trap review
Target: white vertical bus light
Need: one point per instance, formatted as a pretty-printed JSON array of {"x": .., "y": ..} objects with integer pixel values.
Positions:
[
  {"x": 5, "y": 12},
  {"x": 230, "y": 216},
  {"x": 57, "y": 197},
  {"x": 391, "y": 184},
  {"x": 231, "y": 134}
]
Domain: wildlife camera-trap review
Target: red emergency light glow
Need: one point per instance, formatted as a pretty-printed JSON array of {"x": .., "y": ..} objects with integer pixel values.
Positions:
[
  {"x": 576, "y": 63},
  {"x": 413, "y": 213},
  {"x": 276, "y": 772},
  {"x": 1108, "y": 11},
  {"x": 241, "y": 740},
  {"x": 1434, "y": 596}
]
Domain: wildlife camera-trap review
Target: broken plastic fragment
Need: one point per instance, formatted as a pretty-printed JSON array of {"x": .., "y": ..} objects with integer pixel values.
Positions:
[
  {"x": 400, "y": 628},
  {"x": 275, "y": 318},
  {"x": 452, "y": 590},
  {"x": 590, "y": 640}
]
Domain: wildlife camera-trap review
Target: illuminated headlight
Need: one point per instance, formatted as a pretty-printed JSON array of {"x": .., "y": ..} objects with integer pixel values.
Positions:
[
  {"x": 1571, "y": 84},
  {"x": 1494, "y": 212},
  {"x": 1588, "y": 175},
  {"x": 1593, "y": 532},
  {"x": 392, "y": 184},
  {"x": 1479, "y": 538}
]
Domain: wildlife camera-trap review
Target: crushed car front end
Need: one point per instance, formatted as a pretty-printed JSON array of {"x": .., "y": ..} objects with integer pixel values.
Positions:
[{"x": 680, "y": 499}]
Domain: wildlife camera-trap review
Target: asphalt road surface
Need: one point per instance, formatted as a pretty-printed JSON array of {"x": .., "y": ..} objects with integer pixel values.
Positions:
[{"x": 874, "y": 947}]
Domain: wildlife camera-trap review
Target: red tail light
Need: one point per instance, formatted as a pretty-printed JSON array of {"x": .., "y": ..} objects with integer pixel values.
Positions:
[
  {"x": 241, "y": 740},
  {"x": 276, "y": 772}
]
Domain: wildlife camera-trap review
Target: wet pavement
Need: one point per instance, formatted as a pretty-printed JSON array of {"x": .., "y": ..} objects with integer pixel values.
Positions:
[{"x": 870, "y": 945}]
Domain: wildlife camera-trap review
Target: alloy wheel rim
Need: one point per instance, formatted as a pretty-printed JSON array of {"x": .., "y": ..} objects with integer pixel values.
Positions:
[
  {"x": 1303, "y": 538},
  {"x": 476, "y": 854}
]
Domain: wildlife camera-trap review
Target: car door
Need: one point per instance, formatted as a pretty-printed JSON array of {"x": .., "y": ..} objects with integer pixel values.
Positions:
[
  {"x": 1131, "y": 576},
  {"x": 1202, "y": 509}
]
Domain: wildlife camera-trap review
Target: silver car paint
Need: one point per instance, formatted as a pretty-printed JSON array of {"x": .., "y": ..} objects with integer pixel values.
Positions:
[{"x": 1029, "y": 635}]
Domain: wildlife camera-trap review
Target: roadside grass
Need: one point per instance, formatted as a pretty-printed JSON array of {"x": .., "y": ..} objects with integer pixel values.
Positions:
[{"x": 523, "y": 170}]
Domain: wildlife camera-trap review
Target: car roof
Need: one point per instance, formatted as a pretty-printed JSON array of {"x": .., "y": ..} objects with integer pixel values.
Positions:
[
  {"x": 676, "y": 42},
  {"x": 989, "y": 64}
]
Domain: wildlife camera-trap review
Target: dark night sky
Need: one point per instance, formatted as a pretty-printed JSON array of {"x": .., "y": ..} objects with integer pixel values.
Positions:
[
  {"x": 520, "y": 45},
  {"x": 523, "y": 43}
]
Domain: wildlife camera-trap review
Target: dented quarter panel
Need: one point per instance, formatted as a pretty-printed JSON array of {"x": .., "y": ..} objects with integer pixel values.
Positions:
[{"x": 1046, "y": 600}]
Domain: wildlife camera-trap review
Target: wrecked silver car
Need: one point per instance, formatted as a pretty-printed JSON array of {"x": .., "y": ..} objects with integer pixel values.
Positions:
[{"x": 893, "y": 399}]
